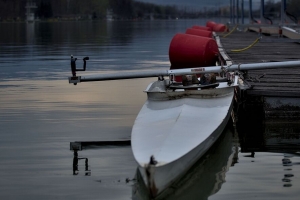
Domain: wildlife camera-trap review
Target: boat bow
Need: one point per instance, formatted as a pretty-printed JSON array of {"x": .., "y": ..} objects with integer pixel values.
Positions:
[{"x": 177, "y": 131}]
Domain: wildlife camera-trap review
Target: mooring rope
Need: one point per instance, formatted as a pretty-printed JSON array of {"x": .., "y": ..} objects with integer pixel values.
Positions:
[
  {"x": 224, "y": 36},
  {"x": 244, "y": 49}
]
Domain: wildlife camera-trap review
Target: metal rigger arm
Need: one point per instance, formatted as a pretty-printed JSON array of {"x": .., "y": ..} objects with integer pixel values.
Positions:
[{"x": 177, "y": 72}]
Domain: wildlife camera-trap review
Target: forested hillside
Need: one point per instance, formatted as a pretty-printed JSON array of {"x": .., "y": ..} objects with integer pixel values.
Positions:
[
  {"x": 92, "y": 9},
  {"x": 14, "y": 10}
]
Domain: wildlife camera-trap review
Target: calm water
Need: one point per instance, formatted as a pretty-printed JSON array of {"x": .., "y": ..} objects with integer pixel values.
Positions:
[{"x": 40, "y": 114}]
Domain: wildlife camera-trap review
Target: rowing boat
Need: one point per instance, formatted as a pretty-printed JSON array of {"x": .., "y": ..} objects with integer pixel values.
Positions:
[
  {"x": 177, "y": 124},
  {"x": 175, "y": 128},
  {"x": 204, "y": 179}
]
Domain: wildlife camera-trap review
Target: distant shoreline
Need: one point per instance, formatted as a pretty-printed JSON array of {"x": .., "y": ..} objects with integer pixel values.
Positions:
[{"x": 74, "y": 19}]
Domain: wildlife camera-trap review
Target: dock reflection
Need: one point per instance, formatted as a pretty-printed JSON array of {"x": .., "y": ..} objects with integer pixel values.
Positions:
[
  {"x": 205, "y": 178},
  {"x": 270, "y": 136},
  {"x": 87, "y": 171},
  {"x": 274, "y": 136}
]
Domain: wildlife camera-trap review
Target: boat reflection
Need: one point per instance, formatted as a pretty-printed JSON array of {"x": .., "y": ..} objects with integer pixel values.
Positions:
[{"x": 202, "y": 180}]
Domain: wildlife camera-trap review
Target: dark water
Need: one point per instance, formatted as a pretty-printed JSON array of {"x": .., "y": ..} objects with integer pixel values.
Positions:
[{"x": 40, "y": 114}]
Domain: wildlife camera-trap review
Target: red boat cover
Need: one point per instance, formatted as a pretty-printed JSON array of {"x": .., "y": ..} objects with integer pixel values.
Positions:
[
  {"x": 202, "y": 28},
  {"x": 187, "y": 51},
  {"x": 199, "y": 32}
]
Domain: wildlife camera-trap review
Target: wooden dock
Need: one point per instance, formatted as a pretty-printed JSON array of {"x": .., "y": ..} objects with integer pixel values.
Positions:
[
  {"x": 81, "y": 145},
  {"x": 275, "y": 93}
]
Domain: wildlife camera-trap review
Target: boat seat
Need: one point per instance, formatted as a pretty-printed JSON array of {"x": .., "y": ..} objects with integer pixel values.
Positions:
[{"x": 194, "y": 86}]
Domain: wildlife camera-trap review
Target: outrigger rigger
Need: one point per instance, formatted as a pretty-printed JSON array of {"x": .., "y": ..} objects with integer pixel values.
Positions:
[{"x": 178, "y": 123}]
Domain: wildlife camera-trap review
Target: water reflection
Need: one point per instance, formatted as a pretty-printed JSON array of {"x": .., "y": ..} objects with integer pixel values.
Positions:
[
  {"x": 75, "y": 164},
  {"x": 276, "y": 136},
  {"x": 290, "y": 167},
  {"x": 270, "y": 136},
  {"x": 41, "y": 50},
  {"x": 30, "y": 33},
  {"x": 114, "y": 28},
  {"x": 205, "y": 178}
]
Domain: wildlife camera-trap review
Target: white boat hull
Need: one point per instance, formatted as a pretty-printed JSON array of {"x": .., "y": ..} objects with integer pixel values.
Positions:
[{"x": 177, "y": 132}]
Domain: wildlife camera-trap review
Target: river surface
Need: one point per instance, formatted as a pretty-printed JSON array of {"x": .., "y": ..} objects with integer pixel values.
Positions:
[{"x": 41, "y": 113}]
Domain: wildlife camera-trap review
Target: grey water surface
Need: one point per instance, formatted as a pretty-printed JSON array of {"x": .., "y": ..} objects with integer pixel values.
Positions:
[{"x": 41, "y": 113}]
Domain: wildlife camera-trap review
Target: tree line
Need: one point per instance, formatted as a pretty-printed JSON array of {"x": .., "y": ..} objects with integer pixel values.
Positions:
[
  {"x": 120, "y": 9},
  {"x": 95, "y": 9}
]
